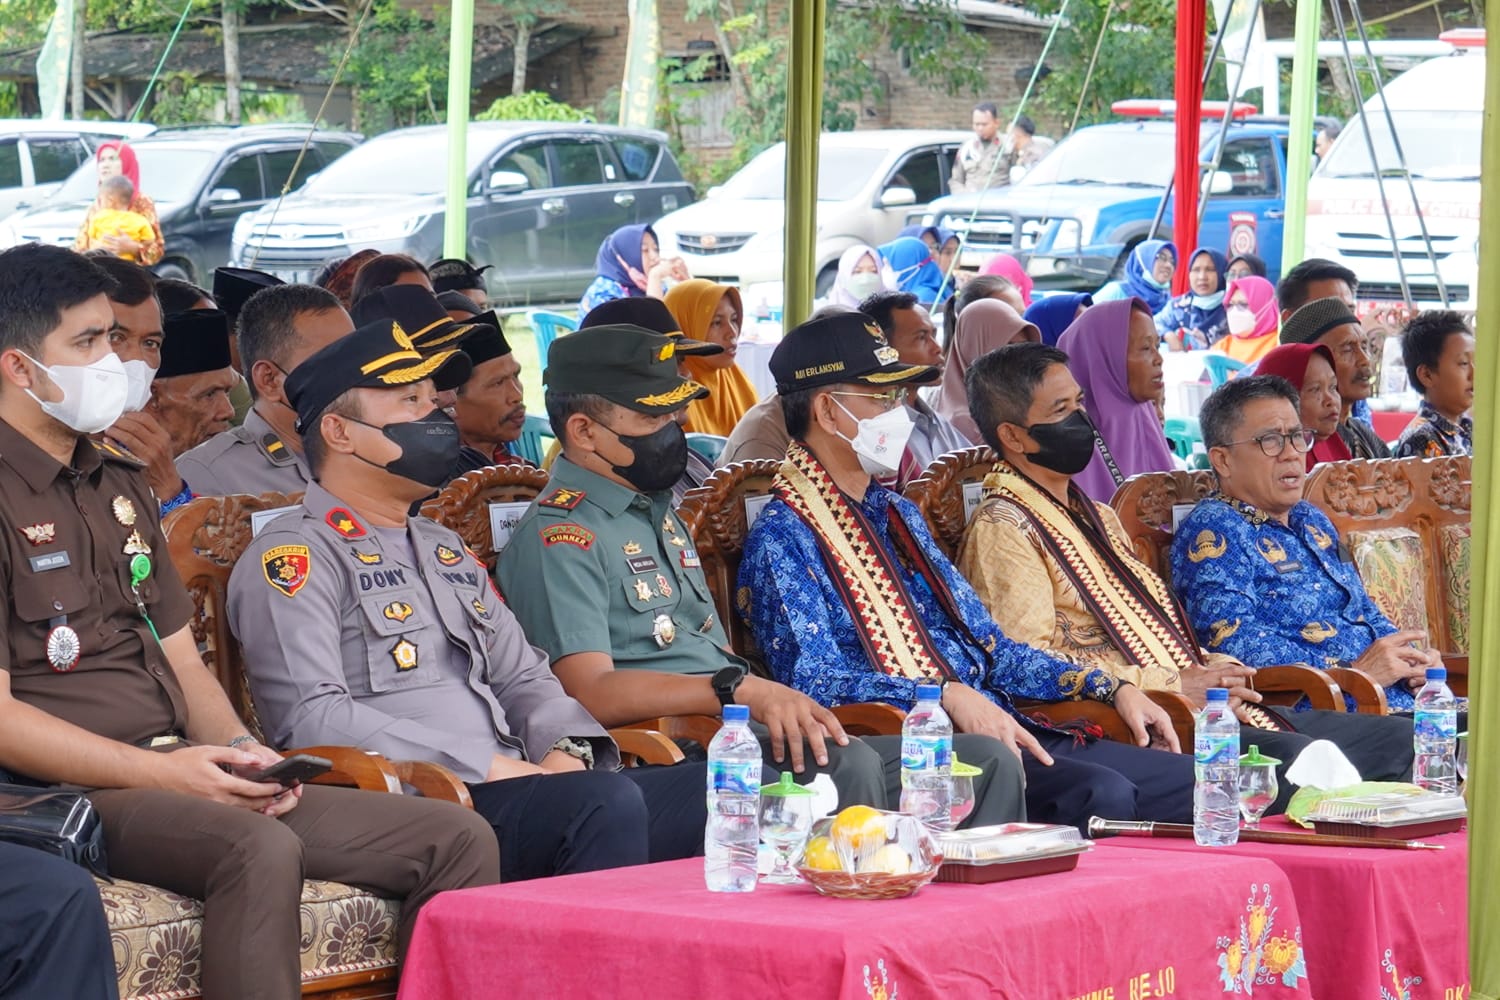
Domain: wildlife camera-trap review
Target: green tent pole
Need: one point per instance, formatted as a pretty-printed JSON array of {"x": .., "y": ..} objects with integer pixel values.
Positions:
[
  {"x": 1484, "y": 744},
  {"x": 460, "y": 62},
  {"x": 1303, "y": 108},
  {"x": 804, "y": 124}
]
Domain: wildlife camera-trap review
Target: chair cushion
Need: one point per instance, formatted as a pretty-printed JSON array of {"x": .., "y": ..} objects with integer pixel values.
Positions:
[
  {"x": 1394, "y": 570},
  {"x": 158, "y": 936},
  {"x": 1453, "y": 541}
]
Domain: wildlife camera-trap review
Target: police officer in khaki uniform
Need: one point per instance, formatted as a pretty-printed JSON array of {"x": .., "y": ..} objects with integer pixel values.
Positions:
[
  {"x": 362, "y": 625},
  {"x": 279, "y": 328},
  {"x": 89, "y": 696}
]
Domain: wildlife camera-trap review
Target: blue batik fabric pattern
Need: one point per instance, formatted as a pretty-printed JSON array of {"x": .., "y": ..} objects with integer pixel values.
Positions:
[
  {"x": 1269, "y": 593},
  {"x": 809, "y": 640}
]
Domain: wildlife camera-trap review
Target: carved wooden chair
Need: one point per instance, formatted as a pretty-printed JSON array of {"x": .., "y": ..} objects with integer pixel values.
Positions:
[
  {"x": 1405, "y": 523},
  {"x": 464, "y": 506},
  {"x": 715, "y": 514},
  {"x": 939, "y": 493}
]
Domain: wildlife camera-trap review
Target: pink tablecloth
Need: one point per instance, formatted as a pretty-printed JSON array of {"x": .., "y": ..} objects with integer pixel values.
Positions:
[
  {"x": 1378, "y": 924},
  {"x": 1126, "y": 925}
]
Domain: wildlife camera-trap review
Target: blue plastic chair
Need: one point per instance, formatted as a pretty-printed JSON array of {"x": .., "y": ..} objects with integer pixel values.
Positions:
[
  {"x": 709, "y": 446},
  {"x": 1221, "y": 366},
  {"x": 547, "y": 327},
  {"x": 529, "y": 445},
  {"x": 1182, "y": 433}
]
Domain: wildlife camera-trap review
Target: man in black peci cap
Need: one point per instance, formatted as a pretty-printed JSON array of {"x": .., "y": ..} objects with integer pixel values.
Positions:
[
  {"x": 364, "y": 625},
  {"x": 852, "y": 600},
  {"x": 451, "y": 274},
  {"x": 604, "y": 578}
]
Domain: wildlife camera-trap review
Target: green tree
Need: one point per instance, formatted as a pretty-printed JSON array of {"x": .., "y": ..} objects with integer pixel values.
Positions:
[
  {"x": 399, "y": 69},
  {"x": 521, "y": 19},
  {"x": 532, "y": 106}
]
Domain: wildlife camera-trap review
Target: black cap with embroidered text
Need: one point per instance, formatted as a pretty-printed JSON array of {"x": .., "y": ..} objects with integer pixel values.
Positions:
[
  {"x": 649, "y": 314},
  {"x": 628, "y": 365},
  {"x": 193, "y": 342},
  {"x": 377, "y": 355},
  {"x": 847, "y": 347}
]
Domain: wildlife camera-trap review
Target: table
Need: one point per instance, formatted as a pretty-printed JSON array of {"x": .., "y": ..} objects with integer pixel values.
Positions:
[
  {"x": 1372, "y": 919},
  {"x": 1126, "y": 925}
]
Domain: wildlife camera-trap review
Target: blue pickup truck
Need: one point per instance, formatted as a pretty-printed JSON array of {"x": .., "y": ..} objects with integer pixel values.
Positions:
[{"x": 1073, "y": 219}]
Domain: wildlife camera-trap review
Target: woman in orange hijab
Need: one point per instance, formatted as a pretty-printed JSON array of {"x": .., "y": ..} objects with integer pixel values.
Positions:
[{"x": 709, "y": 311}]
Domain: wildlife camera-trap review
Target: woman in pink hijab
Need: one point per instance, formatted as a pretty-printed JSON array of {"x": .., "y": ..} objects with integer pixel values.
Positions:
[
  {"x": 1007, "y": 266},
  {"x": 983, "y": 326}
]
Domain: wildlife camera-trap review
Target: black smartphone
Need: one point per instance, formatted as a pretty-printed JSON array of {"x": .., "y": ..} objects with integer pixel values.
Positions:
[{"x": 289, "y": 770}]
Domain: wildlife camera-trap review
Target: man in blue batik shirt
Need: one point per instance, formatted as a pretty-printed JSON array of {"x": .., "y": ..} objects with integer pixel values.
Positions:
[
  {"x": 1259, "y": 569},
  {"x": 851, "y": 599}
]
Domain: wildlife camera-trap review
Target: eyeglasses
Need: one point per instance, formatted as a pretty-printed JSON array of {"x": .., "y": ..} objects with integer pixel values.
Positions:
[
  {"x": 1272, "y": 443},
  {"x": 887, "y": 400}
]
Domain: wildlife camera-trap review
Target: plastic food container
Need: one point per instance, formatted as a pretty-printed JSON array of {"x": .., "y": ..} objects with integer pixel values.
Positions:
[
  {"x": 881, "y": 855},
  {"x": 1390, "y": 816},
  {"x": 1010, "y": 850}
]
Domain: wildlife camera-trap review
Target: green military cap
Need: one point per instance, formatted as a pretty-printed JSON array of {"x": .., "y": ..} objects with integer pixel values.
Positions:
[
  {"x": 378, "y": 355},
  {"x": 650, "y": 314},
  {"x": 625, "y": 364}
]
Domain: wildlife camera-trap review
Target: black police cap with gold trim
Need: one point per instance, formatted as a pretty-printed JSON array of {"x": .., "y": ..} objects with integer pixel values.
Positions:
[
  {"x": 378, "y": 355},
  {"x": 419, "y": 313},
  {"x": 846, "y": 347},
  {"x": 649, "y": 314},
  {"x": 628, "y": 365}
]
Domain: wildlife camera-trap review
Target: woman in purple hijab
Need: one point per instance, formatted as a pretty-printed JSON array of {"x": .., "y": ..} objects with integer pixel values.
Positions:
[{"x": 1113, "y": 353}]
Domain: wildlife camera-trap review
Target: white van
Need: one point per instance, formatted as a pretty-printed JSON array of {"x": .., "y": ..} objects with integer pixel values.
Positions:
[{"x": 1438, "y": 110}]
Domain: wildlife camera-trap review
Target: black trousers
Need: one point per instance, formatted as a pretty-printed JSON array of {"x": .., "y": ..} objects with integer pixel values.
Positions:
[
  {"x": 580, "y": 821},
  {"x": 53, "y": 938},
  {"x": 1379, "y": 746},
  {"x": 1107, "y": 779}
]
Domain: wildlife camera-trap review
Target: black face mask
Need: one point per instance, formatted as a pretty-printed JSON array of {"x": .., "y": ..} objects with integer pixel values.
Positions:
[
  {"x": 1067, "y": 444},
  {"x": 429, "y": 449},
  {"x": 661, "y": 457}
]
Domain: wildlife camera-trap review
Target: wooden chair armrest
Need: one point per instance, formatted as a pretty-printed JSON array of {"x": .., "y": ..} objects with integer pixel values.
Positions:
[
  {"x": 434, "y": 781},
  {"x": 1458, "y": 672},
  {"x": 700, "y": 729},
  {"x": 1097, "y": 713},
  {"x": 354, "y": 768},
  {"x": 870, "y": 718},
  {"x": 1369, "y": 697},
  {"x": 1285, "y": 685},
  {"x": 1183, "y": 715},
  {"x": 645, "y": 746}
]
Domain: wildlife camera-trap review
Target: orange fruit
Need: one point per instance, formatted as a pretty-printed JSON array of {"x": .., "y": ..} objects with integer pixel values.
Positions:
[
  {"x": 858, "y": 827},
  {"x": 820, "y": 855}
]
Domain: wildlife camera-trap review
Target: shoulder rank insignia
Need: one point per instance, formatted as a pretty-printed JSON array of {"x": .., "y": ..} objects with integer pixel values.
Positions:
[
  {"x": 41, "y": 534},
  {"x": 479, "y": 608},
  {"x": 368, "y": 558},
  {"x": 447, "y": 556},
  {"x": 404, "y": 653},
  {"x": 118, "y": 452},
  {"x": 276, "y": 450},
  {"x": 397, "y": 611},
  {"x": 568, "y": 534},
  {"x": 287, "y": 567},
  {"x": 562, "y": 499},
  {"x": 343, "y": 522}
]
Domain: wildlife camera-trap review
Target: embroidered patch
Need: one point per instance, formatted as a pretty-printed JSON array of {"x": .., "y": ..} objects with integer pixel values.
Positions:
[
  {"x": 397, "y": 611},
  {"x": 368, "y": 558},
  {"x": 447, "y": 556},
  {"x": 405, "y": 655},
  {"x": 568, "y": 534},
  {"x": 40, "y": 534},
  {"x": 343, "y": 522},
  {"x": 562, "y": 499},
  {"x": 287, "y": 567}
]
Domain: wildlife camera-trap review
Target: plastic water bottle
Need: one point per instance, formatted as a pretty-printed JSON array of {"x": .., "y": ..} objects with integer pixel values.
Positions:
[
  {"x": 732, "y": 836},
  {"x": 1435, "y": 767},
  {"x": 927, "y": 761},
  {"x": 1216, "y": 760}
]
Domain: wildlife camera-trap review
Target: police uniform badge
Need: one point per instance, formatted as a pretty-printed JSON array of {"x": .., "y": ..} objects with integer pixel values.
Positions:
[
  {"x": 63, "y": 648},
  {"x": 404, "y": 653},
  {"x": 286, "y": 567},
  {"x": 397, "y": 611},
  {"x": 447, "y": 556}
]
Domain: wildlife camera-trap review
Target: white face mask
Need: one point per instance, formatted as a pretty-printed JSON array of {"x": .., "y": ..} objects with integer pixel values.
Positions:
[
  {"x": 1241, "y": 320},
  {"x": 139, "y": 375},
  {"x": 880, "y": 441},
  {"x": 863, "y": 284},
  {"x": 93, "y": 395}
]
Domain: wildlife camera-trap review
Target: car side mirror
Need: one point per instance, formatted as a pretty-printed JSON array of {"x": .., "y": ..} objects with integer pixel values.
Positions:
[
  {"x": 897, "y": 197},
  {"x": 224, "y": 196},
  {"x": 1219, "y": 182},
  {"x": 508, "y": 182}
]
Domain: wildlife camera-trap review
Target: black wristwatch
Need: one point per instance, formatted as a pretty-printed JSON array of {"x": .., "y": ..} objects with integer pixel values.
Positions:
[{"x": 727, "y": 681}]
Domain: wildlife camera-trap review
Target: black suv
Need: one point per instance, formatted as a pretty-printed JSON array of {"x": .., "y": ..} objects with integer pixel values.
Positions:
[{"x": 202, "y": 180}]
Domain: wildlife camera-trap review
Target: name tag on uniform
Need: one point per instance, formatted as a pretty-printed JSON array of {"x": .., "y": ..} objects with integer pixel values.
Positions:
[
  {"x": 1290, "y": 566},
  {"x": 641, "y": 564},
  {"x": 52, "y": 560},
  {"x": 973, "y": 497}
]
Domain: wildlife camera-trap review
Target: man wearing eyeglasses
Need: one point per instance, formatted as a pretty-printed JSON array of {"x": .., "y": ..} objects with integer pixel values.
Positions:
[
  {"x": 1259, "y": 569},
  {"x": 1059, "y": 574}
]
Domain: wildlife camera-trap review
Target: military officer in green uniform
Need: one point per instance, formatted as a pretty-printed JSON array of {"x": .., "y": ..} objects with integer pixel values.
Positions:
[
  {"x": 279, "y": 327},
  {"x": 602, "y": 575}
]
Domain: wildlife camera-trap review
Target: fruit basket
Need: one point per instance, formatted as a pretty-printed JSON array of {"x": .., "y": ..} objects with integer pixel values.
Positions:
[{"x": 864, "y": 853}]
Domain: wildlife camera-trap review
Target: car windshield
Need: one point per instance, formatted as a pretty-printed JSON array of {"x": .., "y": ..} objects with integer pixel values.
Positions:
[
  {"x": 1132, "y": 157},
  {"x": 169, "y": 173},
  {"x": 842, "y": 173},
  {"x": 1439, "y": 145},
  {"x": 396, "y": 164}
]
